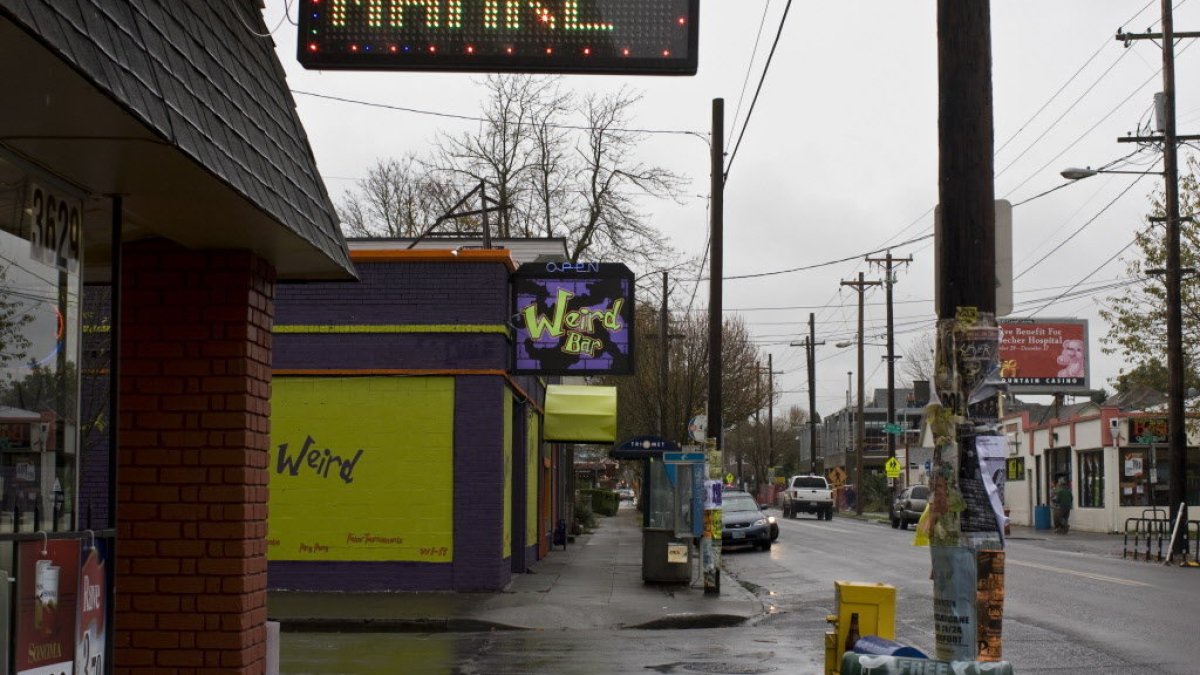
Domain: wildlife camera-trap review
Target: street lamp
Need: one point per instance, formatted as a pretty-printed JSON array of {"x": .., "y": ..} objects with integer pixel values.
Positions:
[{"x": 1075, "y": 173}]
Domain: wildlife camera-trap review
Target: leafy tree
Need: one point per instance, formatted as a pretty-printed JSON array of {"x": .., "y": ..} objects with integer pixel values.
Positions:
[
  {"x": 687, "y": 380},
  {"x": 1137, "y": 316}
]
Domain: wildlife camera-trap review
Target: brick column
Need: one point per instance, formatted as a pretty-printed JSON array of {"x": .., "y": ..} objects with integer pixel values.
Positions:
[{"x": 192, "y": 490}]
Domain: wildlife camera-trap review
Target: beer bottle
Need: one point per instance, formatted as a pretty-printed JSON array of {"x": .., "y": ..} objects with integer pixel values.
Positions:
[{"x": 852, "y": 636}]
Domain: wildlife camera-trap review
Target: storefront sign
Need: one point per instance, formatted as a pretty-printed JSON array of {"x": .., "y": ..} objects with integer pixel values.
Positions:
[
  {"x": 652, "y": 37},
  {"x": 576, "y": 321},
  {"x": 1147, "y": 429},
  {"x": 47, "y": 584},
  {"x": 1047, "y": 356}
]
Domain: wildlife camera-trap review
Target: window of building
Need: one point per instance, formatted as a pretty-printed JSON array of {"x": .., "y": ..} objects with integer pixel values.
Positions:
[
  {"x": 1091, "y": 479},
  {"x": 1015, "y": 469},
  {"x": 1146, "y": 476},
  {"x": 39, "y": 358}
]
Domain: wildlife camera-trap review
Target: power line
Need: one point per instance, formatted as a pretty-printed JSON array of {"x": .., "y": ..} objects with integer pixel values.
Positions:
[
  {"x": 757, "y": 91},
  {"x": 750, "y": 66}
]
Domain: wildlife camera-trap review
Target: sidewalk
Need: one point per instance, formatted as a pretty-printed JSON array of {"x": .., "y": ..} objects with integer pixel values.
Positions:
[{"x": 595, "y": 583}]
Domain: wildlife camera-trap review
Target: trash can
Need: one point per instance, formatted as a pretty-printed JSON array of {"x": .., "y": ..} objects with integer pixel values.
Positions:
[{"x": 1041, "y": 517}]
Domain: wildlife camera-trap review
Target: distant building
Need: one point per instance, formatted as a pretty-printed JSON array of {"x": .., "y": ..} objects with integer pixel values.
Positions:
[{"x": 836, "y": 432}]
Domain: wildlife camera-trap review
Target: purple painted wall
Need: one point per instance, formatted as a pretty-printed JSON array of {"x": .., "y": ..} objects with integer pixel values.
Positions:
[{"x": 423, "y": 293}]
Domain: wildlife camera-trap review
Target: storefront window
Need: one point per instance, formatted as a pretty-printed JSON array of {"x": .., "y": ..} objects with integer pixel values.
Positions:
[
  {"x": 1091, "y": 479},
  {"x": 1146, "y": 476},
  {"x": 39, "y": 350}
]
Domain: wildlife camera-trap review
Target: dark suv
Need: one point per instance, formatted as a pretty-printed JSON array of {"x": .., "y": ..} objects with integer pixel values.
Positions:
[{"x": 909, "y": 505}]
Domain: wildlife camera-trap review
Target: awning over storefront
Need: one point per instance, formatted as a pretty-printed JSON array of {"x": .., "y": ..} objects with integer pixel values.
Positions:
[{"x": 581, "y": 414}]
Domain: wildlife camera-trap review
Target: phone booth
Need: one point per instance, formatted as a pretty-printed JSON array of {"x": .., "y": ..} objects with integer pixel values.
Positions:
[{"x": 672, "y": 503}]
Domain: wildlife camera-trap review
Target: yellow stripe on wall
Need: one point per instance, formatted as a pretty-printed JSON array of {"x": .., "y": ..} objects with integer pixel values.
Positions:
[{"x": 385, "y": 328}]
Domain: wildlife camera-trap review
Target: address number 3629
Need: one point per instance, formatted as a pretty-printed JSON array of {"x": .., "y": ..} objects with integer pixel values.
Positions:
[{"x": 55, "y": 227}]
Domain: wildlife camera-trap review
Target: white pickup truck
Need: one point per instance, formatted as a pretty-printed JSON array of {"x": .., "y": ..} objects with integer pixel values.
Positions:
[{"x": 808, "y": 494}]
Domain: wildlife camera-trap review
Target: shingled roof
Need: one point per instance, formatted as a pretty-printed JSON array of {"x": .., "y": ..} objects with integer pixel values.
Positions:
[{"x": 202, "y": 76}]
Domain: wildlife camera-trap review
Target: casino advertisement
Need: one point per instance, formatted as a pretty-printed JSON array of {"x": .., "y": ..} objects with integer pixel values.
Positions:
[
  {"x": 573, "y": 319},
  {"x": 1044, "y": 356},
  {"x": 47, "y": 588}
]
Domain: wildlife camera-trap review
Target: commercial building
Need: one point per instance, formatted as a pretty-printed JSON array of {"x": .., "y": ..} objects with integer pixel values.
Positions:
[
  {"x": 405, "y": 456},
  {"x": 156, "y": 184}
]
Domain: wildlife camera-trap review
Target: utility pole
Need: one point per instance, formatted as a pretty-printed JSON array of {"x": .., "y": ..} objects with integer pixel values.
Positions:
[
  {"x": 968, "y": 334},
  {"x": 810, "y": 343},
  {"x": 860, "y": 433},
  {"x": 712, "y": 550},
  {"x": 888, "y": 281},
  {"x": 1176, "y": 430},
  {"x": 770, "y": 410},
  {"x": 663, "y": 354}
]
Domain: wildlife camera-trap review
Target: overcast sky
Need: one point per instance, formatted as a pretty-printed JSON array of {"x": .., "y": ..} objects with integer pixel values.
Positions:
[{"x": 840, "y": 156}]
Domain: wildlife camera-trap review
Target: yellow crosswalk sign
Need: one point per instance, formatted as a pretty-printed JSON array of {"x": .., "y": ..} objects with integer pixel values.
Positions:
[{"x": 892, "y": 467}]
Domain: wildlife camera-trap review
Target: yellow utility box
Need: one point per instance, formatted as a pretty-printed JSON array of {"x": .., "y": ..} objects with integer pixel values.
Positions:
[{"x": 875, "y": 605}]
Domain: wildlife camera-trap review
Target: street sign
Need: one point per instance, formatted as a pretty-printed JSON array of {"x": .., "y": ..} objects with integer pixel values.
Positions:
[
  {"x": 682, "y": 457},
  {"x": 892, "y": 467},
  {"x": 729, "y": 479},
  {"x": 893, "y": 429}
]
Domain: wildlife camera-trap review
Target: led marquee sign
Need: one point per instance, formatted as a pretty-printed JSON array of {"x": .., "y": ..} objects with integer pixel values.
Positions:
[{"x": 651, "y": 37}]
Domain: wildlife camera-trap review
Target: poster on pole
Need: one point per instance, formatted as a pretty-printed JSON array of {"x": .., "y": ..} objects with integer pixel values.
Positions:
[
  {"x": 954, "y": 591},
  {"x": 1044, "y": 356}
]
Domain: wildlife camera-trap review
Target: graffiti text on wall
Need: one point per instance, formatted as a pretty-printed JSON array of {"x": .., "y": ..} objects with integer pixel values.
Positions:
[{"x": 320, "y": 461}]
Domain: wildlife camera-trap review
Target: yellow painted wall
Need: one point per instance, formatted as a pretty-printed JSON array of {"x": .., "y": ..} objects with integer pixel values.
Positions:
[
  {"x": 506, "y": 546},
  {"x": 391, "y": 497},
  {"x": 532, "y": 462}
]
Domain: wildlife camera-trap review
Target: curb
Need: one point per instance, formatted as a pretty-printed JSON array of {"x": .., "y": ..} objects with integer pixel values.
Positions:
[{"x": 323, "y": 625}]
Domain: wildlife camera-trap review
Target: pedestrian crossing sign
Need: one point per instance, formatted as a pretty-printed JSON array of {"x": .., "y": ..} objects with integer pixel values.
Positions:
[{"x": 892, "y": 467}]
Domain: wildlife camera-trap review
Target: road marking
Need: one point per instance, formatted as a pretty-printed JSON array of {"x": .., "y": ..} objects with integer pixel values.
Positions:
[
  {"x": 828, "y": 528},
  {"x": 1087, "y": 575}
]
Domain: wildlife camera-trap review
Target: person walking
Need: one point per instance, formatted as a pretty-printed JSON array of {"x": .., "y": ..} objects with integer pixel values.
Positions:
[{"x": 1063, "y": 500}]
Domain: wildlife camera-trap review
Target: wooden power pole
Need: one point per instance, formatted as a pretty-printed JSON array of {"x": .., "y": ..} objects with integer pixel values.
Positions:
[{"x": 860, "y": 435}]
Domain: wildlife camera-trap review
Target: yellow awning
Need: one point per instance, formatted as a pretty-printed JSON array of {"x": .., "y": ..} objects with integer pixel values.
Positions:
[{"x": 581, "y": 414}]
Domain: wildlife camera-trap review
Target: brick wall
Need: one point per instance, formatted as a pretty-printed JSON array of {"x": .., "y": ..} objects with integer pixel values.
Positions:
[{"x": 192, "y": 481}]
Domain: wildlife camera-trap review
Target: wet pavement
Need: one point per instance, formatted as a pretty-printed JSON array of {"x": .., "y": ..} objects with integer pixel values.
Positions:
[{"x": 595, "y": 584}]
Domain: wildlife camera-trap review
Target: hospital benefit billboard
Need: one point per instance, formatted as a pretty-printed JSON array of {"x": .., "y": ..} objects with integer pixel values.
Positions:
[
  {"x": 1044, "y": 356},
  {"x": 573, "y": 319},
  {"x": 361, "y": 469}
]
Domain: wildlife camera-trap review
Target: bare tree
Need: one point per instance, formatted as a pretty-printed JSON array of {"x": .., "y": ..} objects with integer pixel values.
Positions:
[
  {"x": 917, "y": 363},
  {"x": 564, "y": 166},
  {"x": 398, "y": 198}
]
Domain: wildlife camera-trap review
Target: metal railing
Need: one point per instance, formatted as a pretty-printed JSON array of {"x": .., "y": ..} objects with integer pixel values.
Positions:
[{"x": 1151, "y": 538}]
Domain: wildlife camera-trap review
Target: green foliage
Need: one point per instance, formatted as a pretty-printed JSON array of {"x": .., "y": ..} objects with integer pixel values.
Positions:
[
  {"x": 876, "y": 493},
  {"x": 601, "y": 502},
  {"x": 585, "y": 518},
  {"x": 1136, "y": 314}
]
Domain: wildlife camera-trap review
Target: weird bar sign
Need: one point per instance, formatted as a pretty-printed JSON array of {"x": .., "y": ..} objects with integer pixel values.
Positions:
[{"x": 647, "y": 37}]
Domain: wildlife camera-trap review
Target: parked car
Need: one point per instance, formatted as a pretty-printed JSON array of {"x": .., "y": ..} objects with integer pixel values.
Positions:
[
  {"x": 626, "y": 494},
  {"x": 743, "y": 521},
  {"x": 909, "y": 505}
]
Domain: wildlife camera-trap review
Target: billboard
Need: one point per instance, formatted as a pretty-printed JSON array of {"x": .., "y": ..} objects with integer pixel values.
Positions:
[
  {"x": 573, "y": 319},
  {"x": 1044, "y": 356},
  {"x": 651, "y": 37}
]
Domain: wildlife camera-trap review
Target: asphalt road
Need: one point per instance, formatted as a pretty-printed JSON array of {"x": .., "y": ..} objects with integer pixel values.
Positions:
[{"x": 1069, "y": 608}]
